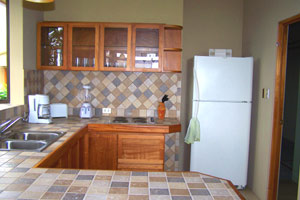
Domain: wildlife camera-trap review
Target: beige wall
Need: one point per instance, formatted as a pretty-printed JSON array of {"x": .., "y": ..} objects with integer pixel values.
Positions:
[
  {"x": 30, "y": 19},
  {"x": 154, "y": 11},
  {"x": 206, "y": 24},
  {"x": 259, "y": 37},
  {"x": 16, "y": 53}
]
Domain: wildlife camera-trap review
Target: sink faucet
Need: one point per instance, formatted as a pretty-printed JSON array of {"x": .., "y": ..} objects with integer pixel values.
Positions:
[{"x": 8, "y": 124}]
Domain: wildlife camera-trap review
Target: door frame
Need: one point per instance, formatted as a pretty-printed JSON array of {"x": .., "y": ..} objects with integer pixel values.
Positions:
[{"x": 282, "y": 42}]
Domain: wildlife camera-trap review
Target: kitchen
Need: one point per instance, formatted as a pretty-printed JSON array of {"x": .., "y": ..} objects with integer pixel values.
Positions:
[{"x": 222, "y": 30}]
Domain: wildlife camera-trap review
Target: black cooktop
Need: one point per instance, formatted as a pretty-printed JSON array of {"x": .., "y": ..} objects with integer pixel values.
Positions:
[{"x": 141, "y": 120}]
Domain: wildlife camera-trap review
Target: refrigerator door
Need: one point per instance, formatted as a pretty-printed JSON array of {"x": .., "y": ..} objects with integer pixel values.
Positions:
[
  {"x": 223, "y": 79},
  {"x": 224, "y": 141}
]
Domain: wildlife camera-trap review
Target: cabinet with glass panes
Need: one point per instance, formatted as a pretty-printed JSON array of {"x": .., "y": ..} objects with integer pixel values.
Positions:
[
  {"x": 115, "y": 47},
  {"x": 83, "y": 46},
  {"x": 147, "y": 47},
  {"x": 109, "y": 46},
  {"x": 52, "y": 46}
]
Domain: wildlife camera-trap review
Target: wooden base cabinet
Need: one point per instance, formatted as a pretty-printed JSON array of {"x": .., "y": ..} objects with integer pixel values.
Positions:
[
  {"x": 71, "y": 154},
  {"x": 102, "y": 150},
  {"x": 112, "y": 147},
  {"x": 141, "y": 152}
]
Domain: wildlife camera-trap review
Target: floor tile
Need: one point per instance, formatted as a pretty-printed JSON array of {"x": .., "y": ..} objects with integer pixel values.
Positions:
[{"x": 73, "y": 196}]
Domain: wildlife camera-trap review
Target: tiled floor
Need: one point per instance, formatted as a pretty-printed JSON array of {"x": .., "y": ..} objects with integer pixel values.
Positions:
[{"x": 248, "y": 194}]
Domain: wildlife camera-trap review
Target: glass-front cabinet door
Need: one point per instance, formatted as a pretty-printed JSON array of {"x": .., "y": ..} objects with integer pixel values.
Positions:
[
  {"x": 52, "y": 46},
  {"x": 116, "y": 44},
  {"x": 147, "y": 47},
  {"x": 83, "y": 46}
]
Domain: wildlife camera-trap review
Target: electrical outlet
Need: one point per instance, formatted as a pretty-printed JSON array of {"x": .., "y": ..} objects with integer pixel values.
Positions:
[{"x": 106, "y": 110}]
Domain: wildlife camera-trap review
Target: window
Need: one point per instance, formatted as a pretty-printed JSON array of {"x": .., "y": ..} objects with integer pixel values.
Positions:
[{"x": 4, "y": 52}]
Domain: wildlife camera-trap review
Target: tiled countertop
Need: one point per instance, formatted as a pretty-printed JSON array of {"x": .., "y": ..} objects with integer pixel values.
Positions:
[{"x": 19, "y": 180}]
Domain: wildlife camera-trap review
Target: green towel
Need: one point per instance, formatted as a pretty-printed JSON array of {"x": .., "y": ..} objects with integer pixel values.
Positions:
[{"x": 193, "y": 132}]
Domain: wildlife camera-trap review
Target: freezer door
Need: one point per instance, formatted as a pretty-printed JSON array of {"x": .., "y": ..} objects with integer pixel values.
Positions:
[
  {"x": 223, "y": 79},
  {"x": 224, "y": 141}
]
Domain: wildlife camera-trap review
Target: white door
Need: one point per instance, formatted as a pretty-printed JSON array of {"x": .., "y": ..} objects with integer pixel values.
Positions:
[
  {"x": 224, "y": 79},
  {"x": 224, "y": 141}
]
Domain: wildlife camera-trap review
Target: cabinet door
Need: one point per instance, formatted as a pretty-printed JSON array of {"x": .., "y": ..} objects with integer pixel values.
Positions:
[
  {"x": 52, "y": 46},
  {"x": 102, "y": 150},
  {"x": 115, "y": 49},
  {"x": 141, "y": 152},
  {"x": 83, "y": 46},
  {"x": 147, "y": 47}
]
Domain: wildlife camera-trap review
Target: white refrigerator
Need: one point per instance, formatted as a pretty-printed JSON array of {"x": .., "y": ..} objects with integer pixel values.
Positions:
[{"x": 222, "y": 100}]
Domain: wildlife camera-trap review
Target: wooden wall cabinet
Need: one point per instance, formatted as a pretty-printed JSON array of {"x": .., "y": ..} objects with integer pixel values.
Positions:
[
  {"x": 52, "y": 46},
  {"x": 147, "y": 47},
  {"x": 115, "y": 48},
  {"x": 172, "y": 48},
  {"x": 83, "y": 46},
  {"x": 109, "y": 46}
]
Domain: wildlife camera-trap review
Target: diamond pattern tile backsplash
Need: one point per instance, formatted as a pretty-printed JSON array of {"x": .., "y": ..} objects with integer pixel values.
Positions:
[
  {"x": 33, "y": 84},
  {"x": 134, "y": 94}
]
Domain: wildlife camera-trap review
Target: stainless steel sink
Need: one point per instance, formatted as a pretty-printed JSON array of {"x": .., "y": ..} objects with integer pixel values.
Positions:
[
  {"x": 23, "y": 145},
  {"x": 32, "y": 135},
  {"x": 29, "y": 140}
]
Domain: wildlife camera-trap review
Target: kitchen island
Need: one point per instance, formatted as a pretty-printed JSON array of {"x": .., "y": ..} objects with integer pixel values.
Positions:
[{"x": 20, "y": 180}]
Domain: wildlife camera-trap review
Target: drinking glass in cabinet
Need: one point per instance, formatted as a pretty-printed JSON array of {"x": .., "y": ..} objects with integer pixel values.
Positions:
[
  {"x": 85, "y": 62},
  {"x": 115, "y": 47},
  {"x": 147, "y": 50},
  {"x": 52, "y": 46},
  {"x": 83, "y": 46}
]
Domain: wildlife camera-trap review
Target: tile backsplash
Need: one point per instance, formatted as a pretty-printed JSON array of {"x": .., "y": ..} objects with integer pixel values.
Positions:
[
  {"x": 134, "y": 94},
  {"x": 33, "y": 84},
  {"x": 11, "y": 113}
]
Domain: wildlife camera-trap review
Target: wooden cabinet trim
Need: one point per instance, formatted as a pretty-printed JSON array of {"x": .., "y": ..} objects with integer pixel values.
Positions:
[
  {"x": 177, "y": 27},
  {"x": 133, "y": 128},
  {"x": 141, "y": 161}
]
